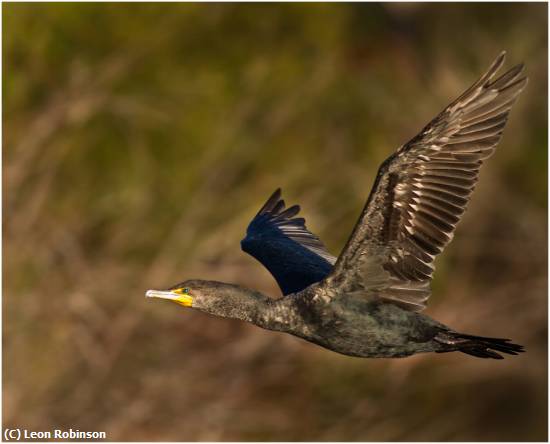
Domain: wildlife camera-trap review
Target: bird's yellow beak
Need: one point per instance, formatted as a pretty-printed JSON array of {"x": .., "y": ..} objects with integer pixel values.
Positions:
[{"x": 176, "y": 295}]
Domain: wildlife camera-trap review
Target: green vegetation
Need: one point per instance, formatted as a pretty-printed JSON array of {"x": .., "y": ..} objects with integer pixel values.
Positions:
[{"x": 139, "y": 140}]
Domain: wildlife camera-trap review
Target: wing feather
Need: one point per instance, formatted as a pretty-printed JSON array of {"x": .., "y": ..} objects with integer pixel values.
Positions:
[
  {"x": 421, "y": 192},
  {"x": 281, "y": 242}
]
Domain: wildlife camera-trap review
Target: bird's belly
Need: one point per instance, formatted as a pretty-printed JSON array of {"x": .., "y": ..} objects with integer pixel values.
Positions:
[
  {"x": 370, "y": 333},
  {"x": 365, "y": 344}
]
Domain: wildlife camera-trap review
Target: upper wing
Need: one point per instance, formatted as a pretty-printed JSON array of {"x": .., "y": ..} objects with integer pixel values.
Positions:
[
  {"x": 281, "y": 242},
  {"x": 421, "y": 192}
]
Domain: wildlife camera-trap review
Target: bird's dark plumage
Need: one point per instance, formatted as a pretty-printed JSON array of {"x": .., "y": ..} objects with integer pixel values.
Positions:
[
  {"x": 367, "y": 302},
  {"x": 281, "y": 242}
]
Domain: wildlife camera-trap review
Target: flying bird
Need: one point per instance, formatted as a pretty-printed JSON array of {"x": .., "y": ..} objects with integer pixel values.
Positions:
[{"x": 368, "y": 302}]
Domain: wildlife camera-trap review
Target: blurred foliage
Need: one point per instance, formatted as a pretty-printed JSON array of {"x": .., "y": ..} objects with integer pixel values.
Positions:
[{"x": 139, "y": 140}]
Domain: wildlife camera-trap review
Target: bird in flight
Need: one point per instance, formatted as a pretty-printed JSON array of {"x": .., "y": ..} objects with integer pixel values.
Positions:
[{"x": 368, "y": 302}]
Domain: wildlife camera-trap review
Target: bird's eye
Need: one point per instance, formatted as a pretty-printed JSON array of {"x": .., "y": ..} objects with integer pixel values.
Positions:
[{"x": 185, "y": 290}]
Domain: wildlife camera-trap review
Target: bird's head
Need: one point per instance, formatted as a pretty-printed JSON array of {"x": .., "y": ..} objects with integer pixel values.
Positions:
[
  {"x": 212, "y": 297},
  {"x": 190, "y": 293}
]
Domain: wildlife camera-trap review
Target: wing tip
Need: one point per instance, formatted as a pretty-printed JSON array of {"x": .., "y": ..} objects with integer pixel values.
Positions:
[
  {"x": 275, "y": 207},
  {"x": 495, "y": 66},
  {"x": 268, "y": 206}
]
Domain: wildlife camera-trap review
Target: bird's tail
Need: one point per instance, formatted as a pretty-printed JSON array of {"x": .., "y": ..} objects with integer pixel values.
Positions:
[{"x": 478, "y": 346}]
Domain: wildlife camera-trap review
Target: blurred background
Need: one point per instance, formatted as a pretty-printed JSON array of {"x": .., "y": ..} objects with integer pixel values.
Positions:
[{"x": 140, "y": 139}]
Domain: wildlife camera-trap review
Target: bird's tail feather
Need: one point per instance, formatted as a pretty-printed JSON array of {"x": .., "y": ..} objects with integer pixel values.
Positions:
[{"x": 479, "y": 346}]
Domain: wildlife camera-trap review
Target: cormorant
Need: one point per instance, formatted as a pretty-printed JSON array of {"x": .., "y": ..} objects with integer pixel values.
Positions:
[{"x": 367, "y": 303}]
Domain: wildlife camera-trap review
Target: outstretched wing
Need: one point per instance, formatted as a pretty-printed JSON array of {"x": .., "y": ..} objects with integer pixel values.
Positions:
[
  {"x": 281, "y": 242},
  {"x": 421, "y": 192}
]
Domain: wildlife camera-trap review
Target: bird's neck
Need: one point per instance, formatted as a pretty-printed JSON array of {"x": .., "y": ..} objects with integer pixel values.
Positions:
[
  {"x": 258, "y": 309},
  {"x": 280, "y": 315}
]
